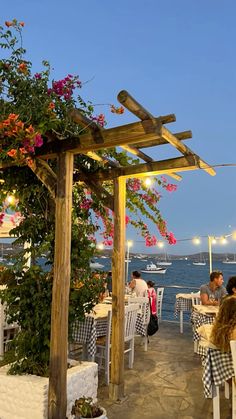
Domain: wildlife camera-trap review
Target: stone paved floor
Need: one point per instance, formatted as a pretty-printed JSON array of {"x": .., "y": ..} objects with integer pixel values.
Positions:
[{"x": 165, "y": 382}]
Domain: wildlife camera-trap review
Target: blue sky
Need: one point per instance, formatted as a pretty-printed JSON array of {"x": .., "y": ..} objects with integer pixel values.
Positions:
[{"x": 173, "y": 57}]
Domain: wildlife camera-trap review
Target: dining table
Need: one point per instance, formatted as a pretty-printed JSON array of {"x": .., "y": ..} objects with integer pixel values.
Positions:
[
  {"x": 183, "y": 304},
  {"x": 202, "y": 314},
  {"x": 94, "y": 325},
  {"x": 217, "y": 370}
]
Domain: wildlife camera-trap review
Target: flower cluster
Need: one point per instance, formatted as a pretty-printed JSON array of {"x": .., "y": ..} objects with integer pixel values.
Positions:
[
  {"x": 100, "y": 119},
  {"x": 118, "y": 110},
  {"x": 64, "y": 88},
  {"x": 25, "y": 139},
  {"x": 170, "y": 187}
]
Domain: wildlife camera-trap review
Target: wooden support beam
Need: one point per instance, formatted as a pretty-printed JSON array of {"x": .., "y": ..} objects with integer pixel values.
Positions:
[
  {"x": 161, "y": 141},
  {"x": 45, "y": 174},
  {"x": 138, "y": 110},
  {"x": 112, "y": 137},
  {"x": 167, "y": 135},
  {"x": 181, "y": 164},
  {"x": 116, "y": 387},
  {"x": 146, "y": 158},
  {"x": 57, "y": 395}
]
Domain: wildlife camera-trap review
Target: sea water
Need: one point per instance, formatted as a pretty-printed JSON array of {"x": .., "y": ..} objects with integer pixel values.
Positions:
[{"x": 180, "y": 277}]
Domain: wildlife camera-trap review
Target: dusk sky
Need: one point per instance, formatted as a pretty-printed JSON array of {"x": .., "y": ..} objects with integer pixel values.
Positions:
[{"x": 173, "y": 57}]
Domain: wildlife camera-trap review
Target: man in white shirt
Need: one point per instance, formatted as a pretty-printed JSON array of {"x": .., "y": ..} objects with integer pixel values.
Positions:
[{"x": 138, "y": 285}]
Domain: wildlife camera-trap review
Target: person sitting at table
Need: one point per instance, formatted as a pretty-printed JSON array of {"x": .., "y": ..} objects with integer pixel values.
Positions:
[
  {"x": 224, "y": 326},
  {"x": 212, "y": 293},
  {"x": 231, "y": 286},
  {"x": 219, "y": 334},
  {"x": 152, "y": 296},
  {"x": 138, "y": 285}
]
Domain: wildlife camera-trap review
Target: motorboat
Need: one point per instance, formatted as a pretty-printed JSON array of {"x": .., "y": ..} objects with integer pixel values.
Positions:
[
  {"x": 199, "y": 263},
  {"x": 151, "y": 268},
  {"x": 96, "y": 265}
]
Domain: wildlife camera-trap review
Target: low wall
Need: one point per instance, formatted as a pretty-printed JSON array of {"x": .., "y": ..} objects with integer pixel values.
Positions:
[{"x": 26, "y": 396}]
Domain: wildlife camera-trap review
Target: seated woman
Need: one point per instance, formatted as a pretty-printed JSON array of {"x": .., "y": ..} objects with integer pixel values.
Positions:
[
  {"x": 152, "y": 295},
  {"x": 223, "y": 329}
]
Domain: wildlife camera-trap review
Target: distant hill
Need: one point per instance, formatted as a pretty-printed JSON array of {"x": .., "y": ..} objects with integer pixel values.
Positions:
[{"x": 192, "y": 257}]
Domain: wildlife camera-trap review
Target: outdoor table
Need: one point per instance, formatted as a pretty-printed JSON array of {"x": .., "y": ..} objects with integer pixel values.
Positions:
[
  {"x": 217, "y": 369},
  {"x": 202, "y": 314},
  {"x": 183, "y": 303},
  {"x": 94, "y": 325}
]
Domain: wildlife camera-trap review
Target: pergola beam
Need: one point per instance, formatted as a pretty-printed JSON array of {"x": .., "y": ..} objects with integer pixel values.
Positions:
[{"x": 149, "y": 169}]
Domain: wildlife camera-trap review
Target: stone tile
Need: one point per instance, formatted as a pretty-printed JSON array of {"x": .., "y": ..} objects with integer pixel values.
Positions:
[{"x": 166, "y": 381}]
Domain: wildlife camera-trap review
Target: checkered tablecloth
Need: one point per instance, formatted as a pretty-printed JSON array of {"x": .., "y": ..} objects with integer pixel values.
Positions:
[
  {"x": 87, "y": 331},
  {"x": 184, "y": 304},
  {"x": 197, "y": 319},
  {"x": 217, "y": 368}
]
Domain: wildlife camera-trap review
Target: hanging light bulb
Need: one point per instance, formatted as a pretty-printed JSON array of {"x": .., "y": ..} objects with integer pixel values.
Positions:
[
  {"x": 196, "y": 240},
  {"x": 148, "y": 181}
]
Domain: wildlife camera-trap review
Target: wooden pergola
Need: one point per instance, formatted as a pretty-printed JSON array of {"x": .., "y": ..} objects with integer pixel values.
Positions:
[{"x": 149, "y": 131}]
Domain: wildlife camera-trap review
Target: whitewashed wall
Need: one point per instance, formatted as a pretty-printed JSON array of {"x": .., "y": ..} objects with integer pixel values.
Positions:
[{"x": 26, "y": 396}]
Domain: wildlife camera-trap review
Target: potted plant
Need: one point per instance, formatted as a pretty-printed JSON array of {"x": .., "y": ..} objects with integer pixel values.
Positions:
[{"x": 84, "y": 407}]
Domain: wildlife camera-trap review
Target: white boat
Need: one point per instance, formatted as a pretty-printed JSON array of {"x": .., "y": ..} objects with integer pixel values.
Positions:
[
  {"x": 96, "y": 265},
  {"x": 230, "y": 262},
  {"x": 164, "y": 262},
  {"x": 154, "y": 269},
  {"x": 128, "y": 260},
  {"x": 199, "y": 263}
]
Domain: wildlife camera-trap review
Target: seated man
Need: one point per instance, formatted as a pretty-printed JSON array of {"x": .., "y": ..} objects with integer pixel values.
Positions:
[
  {"x": 212, "y": 293},
  {"x": 138, "y": 285}
]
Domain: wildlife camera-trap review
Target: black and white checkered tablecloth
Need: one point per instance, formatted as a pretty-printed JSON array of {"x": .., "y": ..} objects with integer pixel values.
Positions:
[
  {"x": 184, "y": 304},
  {"x": 87, "y": 331},
  {"x": 197, "y": 319},
  {"x": 217, "y": 368}
]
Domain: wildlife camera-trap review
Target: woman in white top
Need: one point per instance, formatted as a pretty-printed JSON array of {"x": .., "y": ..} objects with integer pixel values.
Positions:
[{"x": 138, "y": 285}]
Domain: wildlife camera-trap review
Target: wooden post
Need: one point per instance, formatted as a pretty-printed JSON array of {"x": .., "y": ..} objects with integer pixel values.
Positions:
[
  {"x": 116, "y": 387},
  {"x": 57, "y": 395}
]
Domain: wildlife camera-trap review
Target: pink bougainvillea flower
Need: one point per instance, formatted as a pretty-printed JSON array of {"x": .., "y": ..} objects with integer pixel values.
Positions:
[
  {"x": 38, "y": 76},
  {"x": 170, "y": 187},
  {"x": 126, "y": 220},
  {"x": 38, "y": 141},
  {"x": 171, "y": 238},
  {"x": 2, "y": 215}
]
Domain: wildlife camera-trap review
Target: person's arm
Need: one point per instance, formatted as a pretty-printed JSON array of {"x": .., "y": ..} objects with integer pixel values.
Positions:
[
  {"x": 205, "y": 300},
  {"x": 132, "y": 284}
]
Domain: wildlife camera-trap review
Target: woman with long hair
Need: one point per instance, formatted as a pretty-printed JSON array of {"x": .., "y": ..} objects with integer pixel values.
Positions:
[
  {"x": 224, "y": 327},
  {"x": 152, "y": 296}
]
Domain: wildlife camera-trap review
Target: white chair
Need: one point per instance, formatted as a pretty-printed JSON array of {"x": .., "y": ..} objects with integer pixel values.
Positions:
[
  {"x": 7, "y": 331},
  {"x": 144, "y": 309},
  {"x": 196, "y": 299},
  {"x": 103, "y": 344},
  {"x": 160, "y": 293},
  {"x": 131, "y": 312},
  {"x": 233, "y": 352}
]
